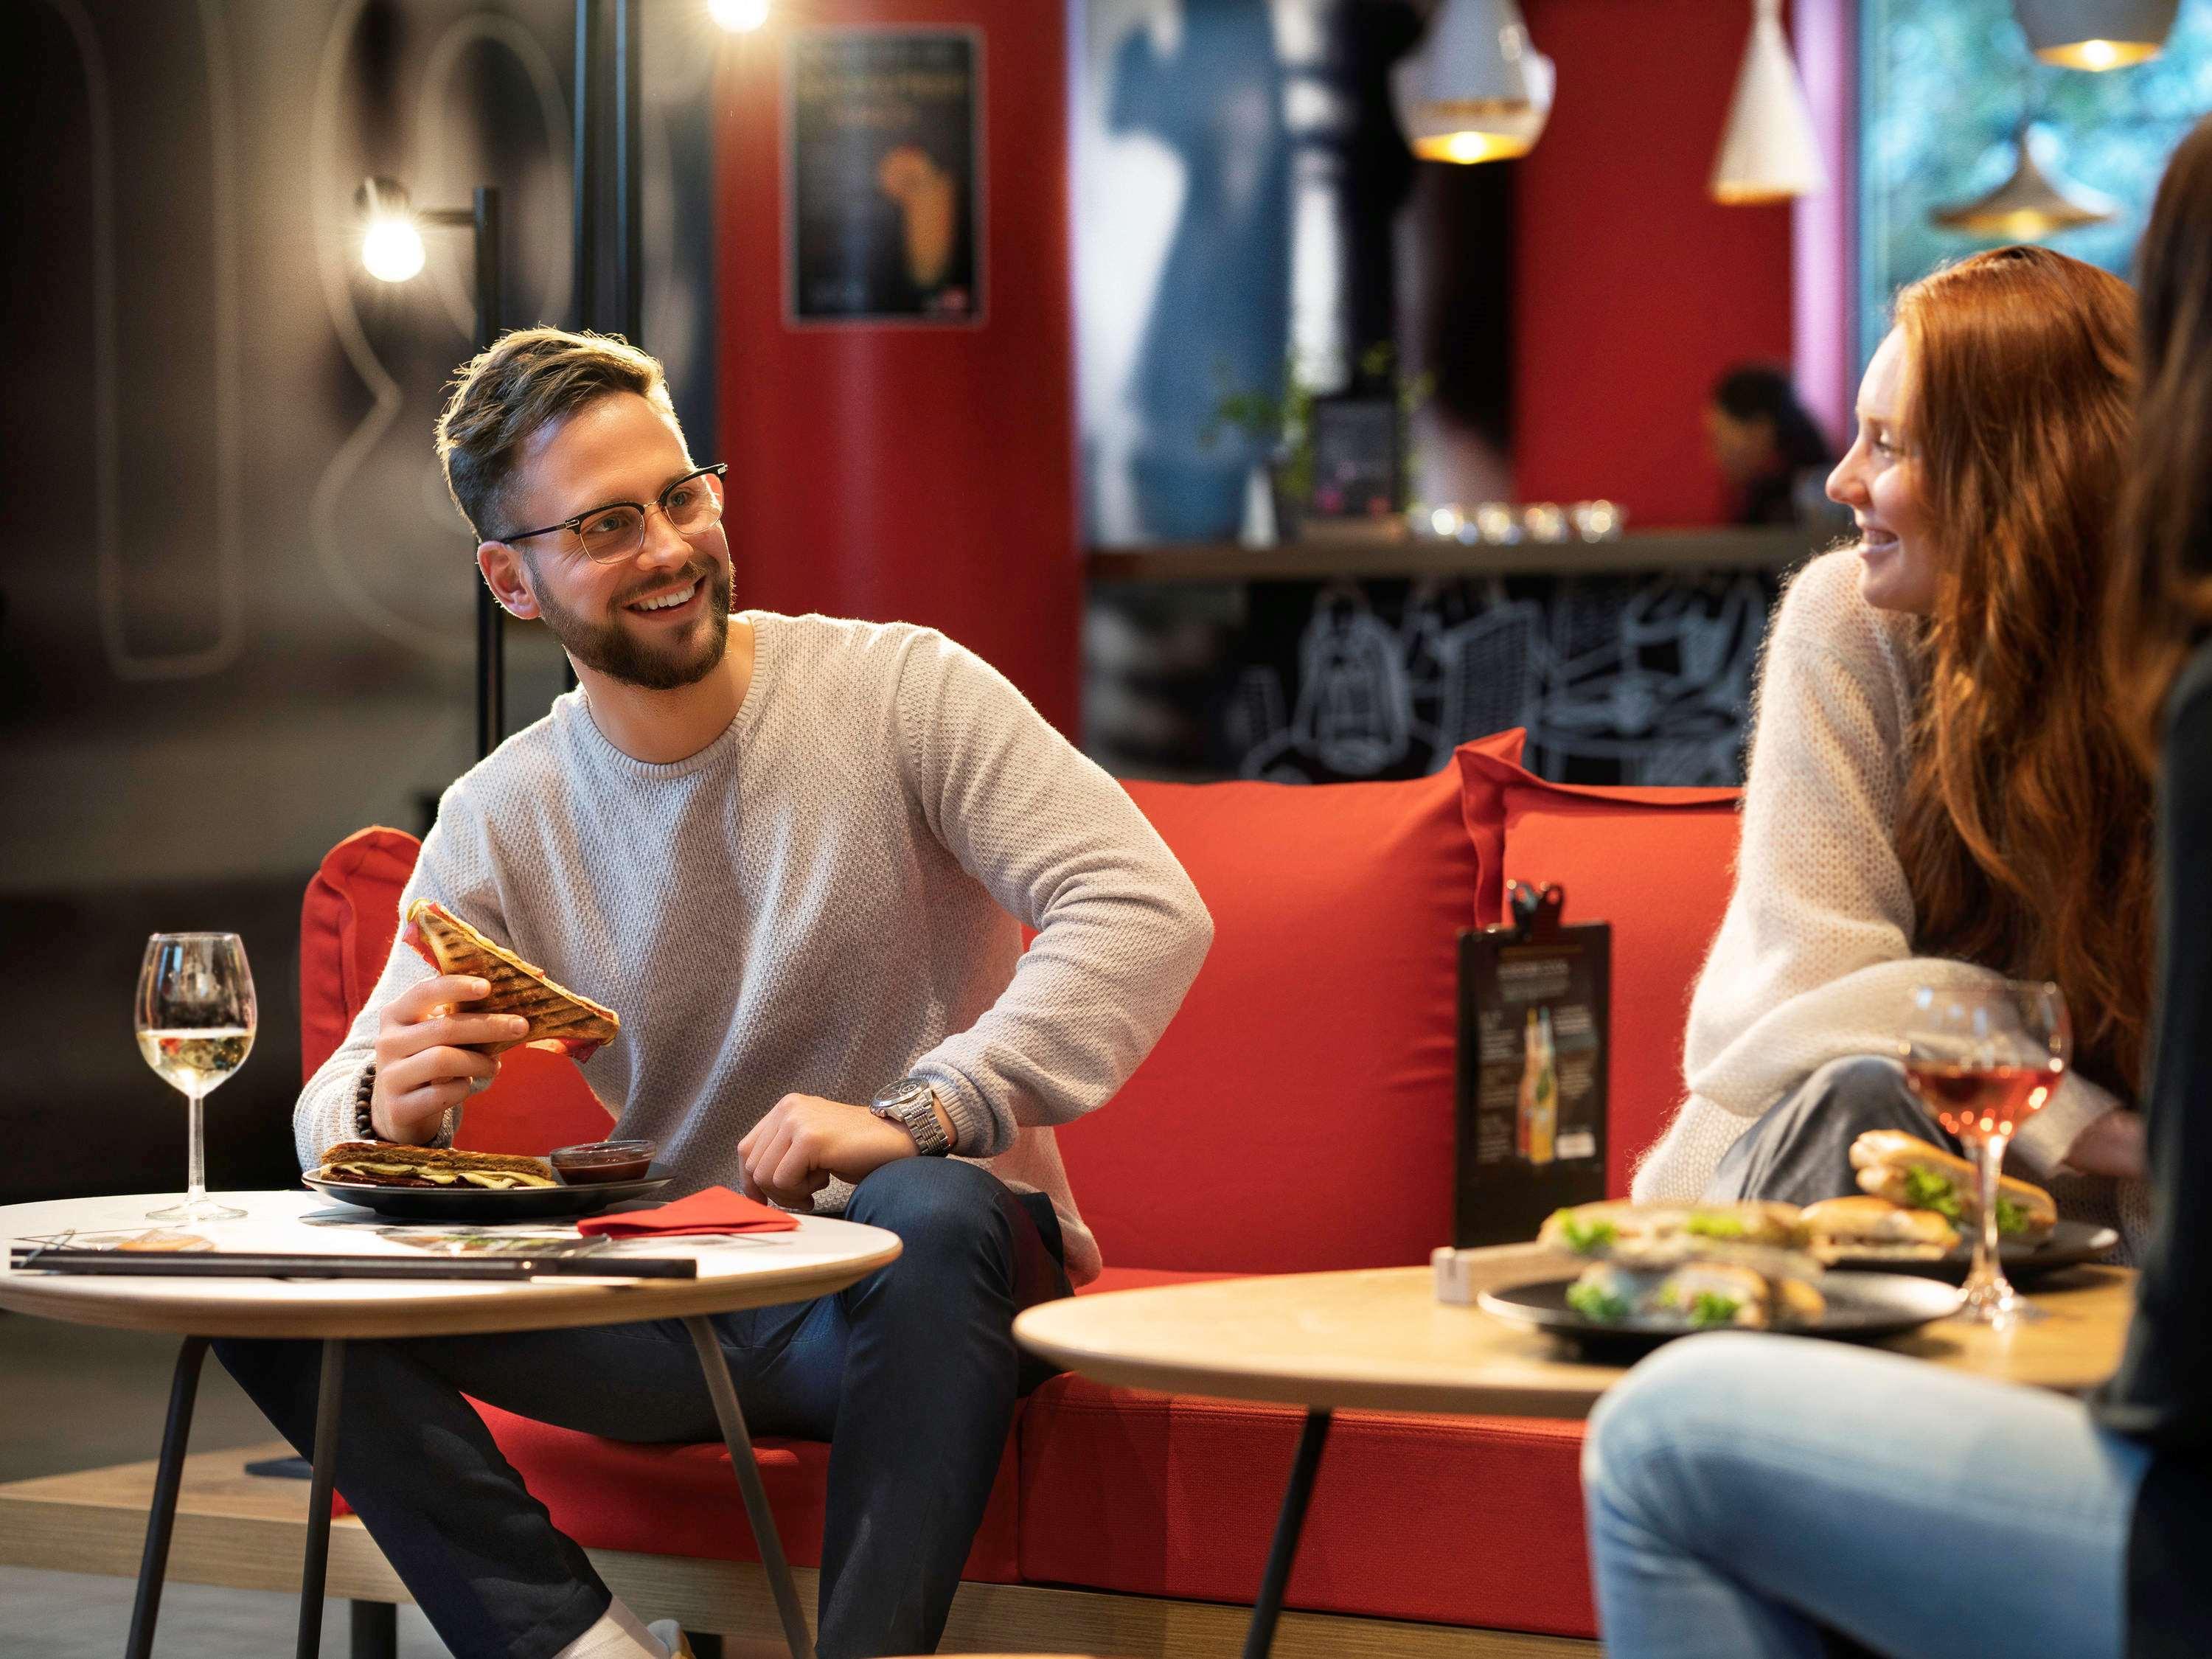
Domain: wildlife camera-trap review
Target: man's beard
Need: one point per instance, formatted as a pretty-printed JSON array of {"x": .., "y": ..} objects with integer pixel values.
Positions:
[{"x": 612, "y": 649}]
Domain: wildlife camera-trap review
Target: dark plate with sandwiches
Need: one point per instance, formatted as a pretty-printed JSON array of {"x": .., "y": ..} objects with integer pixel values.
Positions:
[
  {"x": 1619, "y": 1317},
  {"x": 442, "y": 1183},
  {"x": 1922, "y": 1207}
]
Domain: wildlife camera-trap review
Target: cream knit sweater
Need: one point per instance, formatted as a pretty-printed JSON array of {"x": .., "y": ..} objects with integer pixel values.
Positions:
[
  {"x": 826, "y": 898},
  {"x": 1813, "y": 958}
]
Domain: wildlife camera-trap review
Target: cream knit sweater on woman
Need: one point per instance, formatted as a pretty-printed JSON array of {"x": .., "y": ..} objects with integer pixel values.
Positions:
[{"x": 1813, "y": 960}]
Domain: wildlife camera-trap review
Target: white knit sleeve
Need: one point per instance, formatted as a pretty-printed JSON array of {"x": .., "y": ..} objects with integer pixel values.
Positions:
[{"x": 1061, "y": 845}]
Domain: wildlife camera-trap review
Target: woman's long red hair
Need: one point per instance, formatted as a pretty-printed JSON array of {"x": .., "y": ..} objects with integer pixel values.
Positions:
[{"x": 2025, "y": 828}]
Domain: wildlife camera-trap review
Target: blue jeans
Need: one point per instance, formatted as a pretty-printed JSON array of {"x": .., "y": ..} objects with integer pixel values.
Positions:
[
  {"x": 911, "y": 1375},
  {"x": 1746, "y": 1491}
]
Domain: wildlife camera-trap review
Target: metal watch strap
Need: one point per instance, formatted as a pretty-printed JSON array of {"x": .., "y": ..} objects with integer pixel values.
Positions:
[
  {"x": 364, "y": 1126},
  {"x": 911, "y": 1102}
]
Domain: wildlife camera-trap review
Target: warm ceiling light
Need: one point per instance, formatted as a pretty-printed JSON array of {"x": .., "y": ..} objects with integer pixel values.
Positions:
[
  {"x": 1476, "y": 91},
  {"x": 738, "y": 17},
  {"x": 2030, "y": 203},
  {"x": 2095, "y": 34},
  {"x": 391, "y": 243},
  {"x": 1768, "y": 152}
]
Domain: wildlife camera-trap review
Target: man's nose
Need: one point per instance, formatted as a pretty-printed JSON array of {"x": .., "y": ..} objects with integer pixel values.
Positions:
[{"x": 664, "y": 544}]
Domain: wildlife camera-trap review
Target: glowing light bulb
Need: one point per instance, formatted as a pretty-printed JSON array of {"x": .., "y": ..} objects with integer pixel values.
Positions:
[
  {"x": 738, "y": 17},
  {"x": 391, "y": 251}
]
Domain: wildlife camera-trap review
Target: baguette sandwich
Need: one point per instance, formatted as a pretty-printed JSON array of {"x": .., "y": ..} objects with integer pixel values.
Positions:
[
  {"x": 559, "y": 1019},
  {"x": 1873, "y": 1228},
  {"x": 1618, "y": 1230},
  {"x": 1698, "y": 1296},
  {"x": 386, "y": 1163},
  {"x": 1909, "y": 1171}
]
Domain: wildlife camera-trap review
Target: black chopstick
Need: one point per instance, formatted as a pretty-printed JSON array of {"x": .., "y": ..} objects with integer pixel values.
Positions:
[{"x": 221, "y": 1264}]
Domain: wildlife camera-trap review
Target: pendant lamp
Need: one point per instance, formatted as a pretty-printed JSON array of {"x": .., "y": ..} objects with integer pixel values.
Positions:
[
  {"x": 2095, "y": 34},
  {"x": 1768, "y": 153},
  {"x": 1476, "y": 91},
  {"x": 2030, "y": 203}
]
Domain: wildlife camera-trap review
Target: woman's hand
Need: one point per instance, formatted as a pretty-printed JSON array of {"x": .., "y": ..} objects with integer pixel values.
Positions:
[{"x": 2111, "y": 1145}]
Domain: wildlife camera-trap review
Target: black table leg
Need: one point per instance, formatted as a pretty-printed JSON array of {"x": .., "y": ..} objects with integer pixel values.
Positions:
[
  {"x": 734, "y": 1436},
  {"x": 1260, "y": 1636},
  {"x": 316, "y": 1567},
  {"x": 375, "y": 1629},
  {"x": 184, "y": 1388}
]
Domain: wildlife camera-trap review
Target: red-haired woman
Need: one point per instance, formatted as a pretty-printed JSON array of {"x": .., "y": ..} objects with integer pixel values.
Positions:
[
  {"x": 1939, "y": 789},
  {"x": 1746, "y": 1493}
]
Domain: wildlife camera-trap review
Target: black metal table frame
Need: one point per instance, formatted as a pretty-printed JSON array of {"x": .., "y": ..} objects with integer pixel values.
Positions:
[
  {"x": 183, "y": 1388},
  {"x": 1259, "y": 1634}
]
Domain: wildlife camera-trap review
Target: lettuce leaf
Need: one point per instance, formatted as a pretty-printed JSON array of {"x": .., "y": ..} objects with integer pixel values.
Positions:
[
  {"x": 1926, "y": 1191},
  {"x": 2011, "y": 1219},
  {"x": 1587, "y": 1237},
  {"x": 1595, "y": 1301},
  {"x": 1709, "y": 1308},
  {"x": 1714, "y": 1226}
]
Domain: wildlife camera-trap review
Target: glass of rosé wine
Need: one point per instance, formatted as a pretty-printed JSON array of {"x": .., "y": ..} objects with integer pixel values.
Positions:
[{"x": 1982, "y": 1059}]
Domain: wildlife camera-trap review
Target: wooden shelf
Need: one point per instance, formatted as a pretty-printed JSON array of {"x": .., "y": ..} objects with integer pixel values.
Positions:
[{"x": 1359, "y": 552}]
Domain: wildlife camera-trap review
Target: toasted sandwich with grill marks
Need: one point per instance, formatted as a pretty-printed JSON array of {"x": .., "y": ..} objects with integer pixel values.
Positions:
[
  {"x": 387, "y": 1163},
  {"x": 559, "y": 1018}
]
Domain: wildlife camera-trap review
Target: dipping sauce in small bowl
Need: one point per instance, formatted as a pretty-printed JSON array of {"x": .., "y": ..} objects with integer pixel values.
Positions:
[{"x": 604, "y": 1161}]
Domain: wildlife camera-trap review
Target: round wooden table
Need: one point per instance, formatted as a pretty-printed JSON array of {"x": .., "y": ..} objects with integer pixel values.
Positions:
[
  {"x": 1378, "y": 1339},
  {"x": 751, "y": 1271}
]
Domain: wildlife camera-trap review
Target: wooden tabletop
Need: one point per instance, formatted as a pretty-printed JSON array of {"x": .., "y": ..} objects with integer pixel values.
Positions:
[
  {"x": 750, "y": 1270},
  {"x": 1378, "y": 1339}
]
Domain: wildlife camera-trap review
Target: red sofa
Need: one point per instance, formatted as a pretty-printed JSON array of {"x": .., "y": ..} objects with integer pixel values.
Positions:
[{"x": 1298, "y": 1116}]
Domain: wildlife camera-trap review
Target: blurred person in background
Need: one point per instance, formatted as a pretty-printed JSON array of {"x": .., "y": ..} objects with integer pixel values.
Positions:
[{"x": 1773, "y": 454}]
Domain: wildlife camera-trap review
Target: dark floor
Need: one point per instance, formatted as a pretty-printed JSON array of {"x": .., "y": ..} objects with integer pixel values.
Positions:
[{"x": 79, "y": 1397}]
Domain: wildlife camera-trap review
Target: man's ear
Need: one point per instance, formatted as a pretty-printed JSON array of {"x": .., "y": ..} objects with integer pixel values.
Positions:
[{"x": 502, "y": 568}]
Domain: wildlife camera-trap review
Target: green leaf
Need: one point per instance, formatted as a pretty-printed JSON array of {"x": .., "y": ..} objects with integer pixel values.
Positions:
[
  {"x": 1595, "y": 1301},
  {"x": 1587, "y": 1237},
  {"x": 1927, "y": 1191},
  {"x": 1711, "y": 1308},
  {"x": 2011, "y": 1219},
  {"x": 1714, "y": 1226}
]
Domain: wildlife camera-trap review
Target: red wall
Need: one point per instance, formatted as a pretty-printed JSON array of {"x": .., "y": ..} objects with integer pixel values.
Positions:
[
  {"x": 1633, "y": 289},
  {"x": 924, "y": 474}
]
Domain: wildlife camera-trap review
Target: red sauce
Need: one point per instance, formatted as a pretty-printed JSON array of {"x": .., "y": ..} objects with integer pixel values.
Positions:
[{"x": 604, "y": 1161}]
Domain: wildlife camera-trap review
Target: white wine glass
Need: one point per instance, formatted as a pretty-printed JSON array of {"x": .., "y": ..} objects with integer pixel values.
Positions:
[
  {"x": 195, "y": 1019},
  {"x": 1982, "y": 1059}
]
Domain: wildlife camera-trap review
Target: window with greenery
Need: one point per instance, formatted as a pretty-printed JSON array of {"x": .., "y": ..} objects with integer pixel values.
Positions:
[{"x": 1944, "y": 84}]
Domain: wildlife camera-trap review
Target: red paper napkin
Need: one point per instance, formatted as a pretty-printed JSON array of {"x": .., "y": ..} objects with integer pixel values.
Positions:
[{"x": 716, "y": 1210}]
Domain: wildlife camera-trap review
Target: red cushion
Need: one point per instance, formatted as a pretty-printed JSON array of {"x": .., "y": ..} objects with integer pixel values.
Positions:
[
  {"x": 1458, "y": 1519},
  {"x": 1658, "y": 865},
  {"x": 347, "y": 923},
  {"x": 682, "y": 1500},
  {"x": 1319, "y": 1036}
]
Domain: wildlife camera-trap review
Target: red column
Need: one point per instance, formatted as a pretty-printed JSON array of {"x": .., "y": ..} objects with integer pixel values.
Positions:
[{"x": 917, "y": 472}]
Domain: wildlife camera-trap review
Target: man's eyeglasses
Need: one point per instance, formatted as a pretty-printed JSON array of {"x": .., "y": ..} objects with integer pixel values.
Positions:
[{"x": 610, "y": 534}]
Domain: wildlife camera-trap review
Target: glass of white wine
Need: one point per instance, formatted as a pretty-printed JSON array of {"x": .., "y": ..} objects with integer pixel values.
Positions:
[{"x": 196, "y": 1020}]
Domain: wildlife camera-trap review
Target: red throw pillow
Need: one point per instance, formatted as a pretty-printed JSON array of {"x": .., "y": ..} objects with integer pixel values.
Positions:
[
  {"x": 1658, "y": 864},
  {"x": 1299, "y": 1114}
]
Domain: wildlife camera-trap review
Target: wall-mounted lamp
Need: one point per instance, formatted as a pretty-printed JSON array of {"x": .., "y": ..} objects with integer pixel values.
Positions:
[
  {"x": 738, "y": 17},
  {"x": 2095, "y": 34},
  {"x": 391, "y": 252},
  {"x": 1476, "y": 91},
  {"x": 1769, "y": 152}
]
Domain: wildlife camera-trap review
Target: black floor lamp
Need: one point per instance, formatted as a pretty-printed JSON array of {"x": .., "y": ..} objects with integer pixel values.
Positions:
[{"x": 392, "y": 250}]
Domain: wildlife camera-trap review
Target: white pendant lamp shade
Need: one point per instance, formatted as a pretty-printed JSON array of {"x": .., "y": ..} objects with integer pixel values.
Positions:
[
  {"x": 2095, "y": 34},
  {"x": 2030, "y": 203},
  {"x": 1768, "y": 153},
  {"x": 1477, "y": 90}
]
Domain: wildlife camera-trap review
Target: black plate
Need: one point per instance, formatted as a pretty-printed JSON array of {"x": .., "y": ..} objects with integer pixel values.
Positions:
[
  {"x": 2068, "y": 1245},
  {"x": 1862, "y": 1307},
  {"x": 477, "y": 1204}
]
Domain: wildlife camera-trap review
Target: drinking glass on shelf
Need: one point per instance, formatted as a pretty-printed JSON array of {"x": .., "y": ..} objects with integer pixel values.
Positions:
[
  {"x": 195, "y": 1019},
  {"x": 1982, "y": 1059}
]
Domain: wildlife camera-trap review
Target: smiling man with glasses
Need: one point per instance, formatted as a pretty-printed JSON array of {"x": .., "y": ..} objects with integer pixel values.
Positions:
[{"x": 796, "y": 855}]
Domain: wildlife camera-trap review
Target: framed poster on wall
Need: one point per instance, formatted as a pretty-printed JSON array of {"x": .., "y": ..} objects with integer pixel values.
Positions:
[{"x": 884, "y": 177}]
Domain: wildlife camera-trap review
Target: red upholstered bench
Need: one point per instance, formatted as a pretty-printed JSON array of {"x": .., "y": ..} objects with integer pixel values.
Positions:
[{"x": 1299, "y": 1115}]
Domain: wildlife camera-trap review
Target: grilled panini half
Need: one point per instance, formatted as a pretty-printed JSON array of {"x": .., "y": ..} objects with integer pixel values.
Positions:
[
  {"x": 558, "y": 1017},
  {"x": 385, "y": 1164}
]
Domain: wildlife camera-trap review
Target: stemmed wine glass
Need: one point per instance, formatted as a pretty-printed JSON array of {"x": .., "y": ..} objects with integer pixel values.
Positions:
[
  {"x": 195, "y": 1019},
  {"x": 1982, "y": 1059}
]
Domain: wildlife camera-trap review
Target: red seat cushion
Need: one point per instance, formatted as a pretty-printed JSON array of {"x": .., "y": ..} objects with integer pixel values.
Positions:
[
  {"x": 682, "y": 1500},
  {"x": 347, "y": 923},
  {"x": 1658, "y": 865},
  {"x": 1320, "y": 1035},
  {"x": 1459, "y": 1520}
]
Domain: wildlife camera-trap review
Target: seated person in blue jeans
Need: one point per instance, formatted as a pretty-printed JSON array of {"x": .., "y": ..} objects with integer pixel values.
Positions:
[
  {"x": 795, "y": 854},
  {"x": 1746, "y": 1493},
  {"x": 1934, "y": 724}
]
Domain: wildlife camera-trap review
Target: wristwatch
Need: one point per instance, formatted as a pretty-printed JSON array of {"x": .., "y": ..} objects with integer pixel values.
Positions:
[{"x": 911, "y": 1103}]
